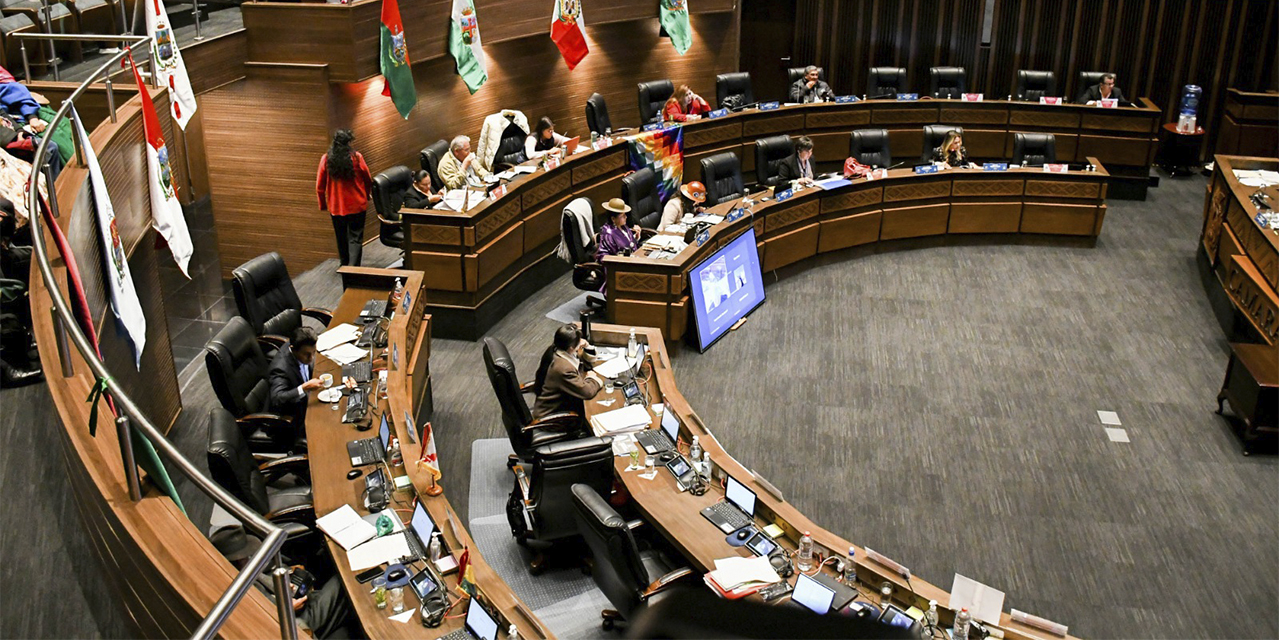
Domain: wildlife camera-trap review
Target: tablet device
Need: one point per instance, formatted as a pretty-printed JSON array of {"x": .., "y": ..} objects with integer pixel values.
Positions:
[
  {"x": 423, "y": 584},
  {"x": 761, "y": 545}
]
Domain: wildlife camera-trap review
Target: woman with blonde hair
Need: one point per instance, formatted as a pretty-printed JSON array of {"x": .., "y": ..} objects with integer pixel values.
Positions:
[
  {"x": 684, "y": 105},
  {"x": 952, "y": 150}
]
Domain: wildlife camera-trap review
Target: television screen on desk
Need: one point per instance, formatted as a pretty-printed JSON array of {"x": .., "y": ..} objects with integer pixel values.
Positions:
[{"x": 726, "y": 287}]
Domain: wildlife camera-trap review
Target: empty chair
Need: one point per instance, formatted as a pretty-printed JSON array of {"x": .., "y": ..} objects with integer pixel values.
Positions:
[
  {"x": 870, "y": 147},
  {"x": 430, "y": 160},
  {"x": 234, "y": 467},
  {"x": 933, "y": 135},
  {"x": 598, "y": 115},
  {"x": 770, "y": 152},
  {"x": 389, "y": 188},
  {"x": 722, "y": 174},
  {"x": 1035, "y": 149},
  {"x": 947, "y": 82},
  {"x": 652, "y": 96},
  {"x": 886, "y": 82},
  {"x": 1033, "y": 85},
  {"x": 796, "y": 73},
  {"x": 523, "y": 431},
  {"x": 733, "y": 90},
  {"x": 540, "y": 509},
  {"x": 640, "y": 192},
  {"x": 632, "y": 580},
  {"x": 265, "y": 297},
  {"x": 60, "y": 20},
  {"x": 238, "y": 373},
  {"x": 578, "y": 240},
  {"x": 10, "y": 49}
]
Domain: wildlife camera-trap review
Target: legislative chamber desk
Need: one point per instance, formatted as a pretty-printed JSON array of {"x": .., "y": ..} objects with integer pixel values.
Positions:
[
  {"x": 479, "y": 263},
  {"x": 677, "y": 515},
  {"x": 408, "y": 387},
  {"x": 645, "y": 291}
]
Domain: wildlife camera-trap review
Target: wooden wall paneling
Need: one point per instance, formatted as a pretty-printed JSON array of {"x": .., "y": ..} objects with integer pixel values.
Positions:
[
  {"x": 219, "y": 60},
  {"x": 914, "y": 221},
  {"x": 1055, "y": 218}
]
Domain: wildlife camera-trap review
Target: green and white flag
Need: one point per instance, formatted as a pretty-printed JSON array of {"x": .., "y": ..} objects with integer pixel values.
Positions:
[
  {"x": 674, "y": 15},
  {"x": 464, "y": 44}
]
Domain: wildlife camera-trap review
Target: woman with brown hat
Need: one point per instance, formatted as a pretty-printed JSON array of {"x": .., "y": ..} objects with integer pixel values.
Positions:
[{"x": 615, "y": 237}]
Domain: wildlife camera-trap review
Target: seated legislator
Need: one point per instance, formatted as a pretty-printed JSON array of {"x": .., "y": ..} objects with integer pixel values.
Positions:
[
  {"x": 419, "y": 196},
  {"x": 460, "y": 167},
  {"x": 684, "y": 105},
  {"x": 563, "y": 381},
  {"x": 798, "y": 166},
  {"x": 692, "y": 195},
  {"x": 810, "y": 88},
  {"x": 1106, "y": 89},
  {"x": 615, "y": 238},
  {"x": 291, "y": 378},
  {"x": 952, "y": 151},
  {"x": 543, "y": 140}
]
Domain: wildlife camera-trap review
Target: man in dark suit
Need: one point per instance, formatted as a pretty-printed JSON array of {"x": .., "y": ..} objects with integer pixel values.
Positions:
[
  {"x": 810, "y": 88},
  {"x": 799, "y": 165},
  {"x": 1104, "y": 90},
  {"x": 561, "y": 382},
  {"x": 291, "y": 377}
]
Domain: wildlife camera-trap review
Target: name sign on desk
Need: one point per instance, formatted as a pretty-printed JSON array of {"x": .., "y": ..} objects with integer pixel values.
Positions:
[
  {"x": 702, "y": 237},
  {"x": 602, "y": 143},
  {"x": 843, "y": 99},
  {"x": 907, "y": 97},
  {"x": 971, "y": 97},
  {"x": 1050, "y": 100},
  {"x": 653, "y": 126},
  {"x": 404, "y": 305},
  {"x": 718, "y": 113},
  {"x": 498, "y": 192},
  {"x": 735, "y": 214},
  {"x": 1055, "y": 168},
  {"x": 1108, "y": 103},
  {"x": 769, "y": 106},
  {"x": 783, "y": 196},
  {"x": 926, "y": 168},
  {"x": 876, "y": 174},
  {"x": 551, "y": 163},
  {"x": 995, "y": 166}
]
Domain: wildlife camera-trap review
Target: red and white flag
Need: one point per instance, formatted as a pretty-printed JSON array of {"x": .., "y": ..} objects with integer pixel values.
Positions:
[
  {"x": 166, "y": 212},
  {"x": 566, "y": 31},
  {"x": 429, "y": 460},
  {"x": 166, "y": 63}
]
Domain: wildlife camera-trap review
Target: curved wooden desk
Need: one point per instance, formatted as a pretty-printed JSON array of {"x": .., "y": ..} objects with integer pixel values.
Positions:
[
  {"x": 478, "y": 263},
  {"x": 1241, "y": 253},
  {"x": 651, "y": 292}
]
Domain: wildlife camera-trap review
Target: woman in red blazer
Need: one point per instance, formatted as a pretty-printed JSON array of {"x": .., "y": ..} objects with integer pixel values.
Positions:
[
  {"x": 343, "y": 184},
  {"x": 684, "y": 105}
]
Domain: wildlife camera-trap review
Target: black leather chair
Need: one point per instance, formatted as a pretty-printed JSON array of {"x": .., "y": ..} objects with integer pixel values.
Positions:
[
  {"x": 525, "y": 433},
  {"x": 795, "y": 73},
  {"x": 770, "y": 152},
  {"x": 1036, "y": 149},
  {"x": 885, "y": 82},
  {"x": 510, "y": 148},
  {"x": 640, "y": 192},
  {"x": 588, "y": 275},
  {"x": 947, "y": 82},
  {"x": 265, "y": 297},
  {"x": 598, "y": 115},
  {"x": 430, "y": 160},
  {"x": 238, "y": 373},
  {"x": 652, "y": 96},
  {"x": 1033, "y": 85},
  {"x": 722, "y": 174},
  {"x": 734, "y": 90},
  {"x": 870, "y": 147},
  {"x": 933, "y": 136},
  {"x": 235, "y": 468},
  {"x": 632, "y": 580},
  {"x": 1086, "y": 79},
  {"x": 541, "y": 507},
  {"x": 389, "y": 188}
]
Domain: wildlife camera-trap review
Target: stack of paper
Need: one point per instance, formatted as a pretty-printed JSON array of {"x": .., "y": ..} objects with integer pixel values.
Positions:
[
  {"x": 629, "y": 418},
  {"x": 345, "y": 353},
  {"x": 708, "y": 218},
  {"x": 735, "y": 577},
  {"x": 613, "y": 367},
  {"x": 346, "y": 527},
  {"x": 378, "y": 551},
  {"x": 341, "y": 334},
  {"x": 671, "y": 242},
  {"x": 832, "y": 183}
]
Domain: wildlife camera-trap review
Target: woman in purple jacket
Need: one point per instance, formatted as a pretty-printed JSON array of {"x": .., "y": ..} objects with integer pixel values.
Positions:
[{"x": 615, "y": 237}]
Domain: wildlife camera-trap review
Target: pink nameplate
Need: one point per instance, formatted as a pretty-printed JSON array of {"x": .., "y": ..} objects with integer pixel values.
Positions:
[{"x": 1048, "y": 100}]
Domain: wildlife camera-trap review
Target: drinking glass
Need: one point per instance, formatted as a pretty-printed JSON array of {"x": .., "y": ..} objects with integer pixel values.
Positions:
[
  {"x": 379, "y": 592},
  {"x": 635, "y": 459},
  {"x": 396, "y": 597},
  {"x": 650, "y": 463},
  {"x": 886, "y": 594}
]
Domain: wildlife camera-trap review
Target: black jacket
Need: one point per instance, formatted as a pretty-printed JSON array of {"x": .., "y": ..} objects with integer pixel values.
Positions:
[
  {"x": 414, "y": 199},
  {"x": 1093, "y": 93},
  {"x": 285, "y": 379},
  {"x": 799, "y": 90},
  {"x": 789, "y": 169},
  {"x": 954, "y": 160}
]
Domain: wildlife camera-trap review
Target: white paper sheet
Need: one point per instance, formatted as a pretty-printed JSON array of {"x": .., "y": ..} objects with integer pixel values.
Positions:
[
  {"x": 405, "y": 617},
  {"x": 731, "y": 573},
  {"x": 983, "y": 602},
  {"x": 341, "y": 334},
  {"x": 378, "y": 551},
  {"x": 630, "y": 418},
  {"x": 612, "y": 367},
  {"x": 345, "y": 353},
  {"x": 346, "y": 527}
]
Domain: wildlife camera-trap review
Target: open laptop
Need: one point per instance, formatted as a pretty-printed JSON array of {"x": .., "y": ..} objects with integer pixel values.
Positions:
[
  {"x": 736, "y": 511},
  {"x": 423, "y": 528},
  {"x": 812, "y": 595},
  {"x": 371, "y": 450},
  {"x": 655, "y": 441},
  {"x": 571, "y": 145},
  {"x": 479, "y": 625}
]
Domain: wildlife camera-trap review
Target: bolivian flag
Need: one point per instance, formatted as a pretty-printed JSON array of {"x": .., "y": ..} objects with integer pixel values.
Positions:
[{"x": 394, "y": 61}]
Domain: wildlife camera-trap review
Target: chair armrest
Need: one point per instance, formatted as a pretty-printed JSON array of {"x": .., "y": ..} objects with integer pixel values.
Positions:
[
  {"x": 295, "y": 464},
  {"x": 388, "y": 221},
  {"x": 661, "y": 584},
  {"x": 589, "y": 265},
  {"x": 304, "y": 514},
  {"x": 528, "y": 386},
  {"x": 563, "y": 419},
  {"x": 267, "y": 420},
  {"x": 272, "y": 341},
  {"x": 632, "y": 525},
  {"x": 323, "y": 315},
  {"x": 645, "y": 234}
]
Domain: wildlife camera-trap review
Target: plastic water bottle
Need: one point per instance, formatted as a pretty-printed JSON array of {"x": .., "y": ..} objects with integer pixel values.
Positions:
[
  {"x": 398, "y": 294},
  {"x": 931, "y": 618},
  {"x": 850, "y": 569},
  {"x": 695, "y": 452},
  {"x": 631, "y": 344},
  {"x": 397, "y": 459},
  {"x": 804, "y": 554},
  {"x": 513, "y": 633},
  {"x": 960, "y": 630},
  {"x": 433, "y": 548}
]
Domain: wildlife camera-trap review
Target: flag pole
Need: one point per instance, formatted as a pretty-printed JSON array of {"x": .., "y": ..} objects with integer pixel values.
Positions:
[{"x": 433, "y": 490}]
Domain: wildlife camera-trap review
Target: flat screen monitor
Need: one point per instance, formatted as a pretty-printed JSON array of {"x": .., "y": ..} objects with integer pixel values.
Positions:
[
  {"x": 671, "y": 424},
  {"x": 726, "y": 287},
  {"x": 740, "y": 495},
  {"x": 422, "y": 525},
  {"x": 384, "y": 432},
  {"x": 480, "y": 623},
  {"x": 813, "y": 595}
]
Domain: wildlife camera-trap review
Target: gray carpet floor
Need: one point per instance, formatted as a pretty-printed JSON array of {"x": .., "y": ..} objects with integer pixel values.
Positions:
[{"x": 937, "y": 404}]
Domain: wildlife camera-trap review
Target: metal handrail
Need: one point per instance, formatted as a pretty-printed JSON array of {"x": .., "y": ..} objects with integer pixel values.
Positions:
[{"x": 273, "y": 537}]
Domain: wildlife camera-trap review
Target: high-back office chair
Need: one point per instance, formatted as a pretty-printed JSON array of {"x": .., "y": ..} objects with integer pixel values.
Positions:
[
  {"x": 510, "y": 148},
  {"x": 734, "y": 90},
  {"x": 430, "y": 159},
  {"x": 771, "y": 152},
  {"x": 947, "y": 82},
  {"x": 933, "y": 137},
  {"x": 722, "y": 173},
  {"x": 886, "y": 82},
  {"x": 525, "y": 433},
  {"x": 540, "y": 509},
  {"x": 598, "y": 115},
  {"x": 640, "y": 192},
  {"x": 238, "y": 373},
  {"x": 389, "y": 188},
  {"x": 796, "y": 73},
  {"x": 632, "y": 580},
  {"x": 1033, "y": 85},
  {"x": 870, "y": 147},
  {"x": 1035, "y": 149},
  {"x": 234, "y": 467},
  {"x": 1086, "y": 79},
  {"x": 265, "y": 297},
  {"x": 588, "y": 275},
  {"x": 652, "y": 96}
]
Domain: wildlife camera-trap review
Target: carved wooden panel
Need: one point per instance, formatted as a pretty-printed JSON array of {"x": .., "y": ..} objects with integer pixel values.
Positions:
[
  {"x": 974, "y": 116},
  {"x": 654, "y": 283},
  {"x": 778, "y": 219},
  {"x": 845, "y": 118},
  {"x": 701, "y": 135},
  {"x": 499, "y": 254},
  {"x": 904, "y": 116},
  {"x": 853, "y": 199},
  {"x": 1253, "y": 241},
  {"x": 611, "y": 160},
  {"x": 987, "y": 188},
  {"x": 1062, "y": 189},
  {"x": 422, "y": 234},
  {"x": 1116, "y": 150},
  {"x": 1117, "y": 122},
  {"x": 498, "y": 216},
  {"x": 1044, "y": 118},
  {"x": 549, "y": 187},
  {"x": 921, "y": 191},
  {"x": 1215, "y": 211},
  {"x": 763, "y": 125},
  {"x": 1248, "y": 291}
]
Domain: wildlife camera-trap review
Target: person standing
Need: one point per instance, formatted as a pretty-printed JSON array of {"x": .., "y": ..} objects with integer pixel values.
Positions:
[{"x": 343, "y": 185}]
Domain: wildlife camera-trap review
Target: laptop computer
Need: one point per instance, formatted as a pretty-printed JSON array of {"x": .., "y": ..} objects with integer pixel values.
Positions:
[
  {"x": 736, "y": 511},
  {"x": 479, "y": 625},
  {"x": 423, "y": 527},
  {"x": 371, "y": 450},
  {"x": 655, "y": 441},
  {"x": 812, "y": 595},
  {"x": 571, "y": 145}
]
